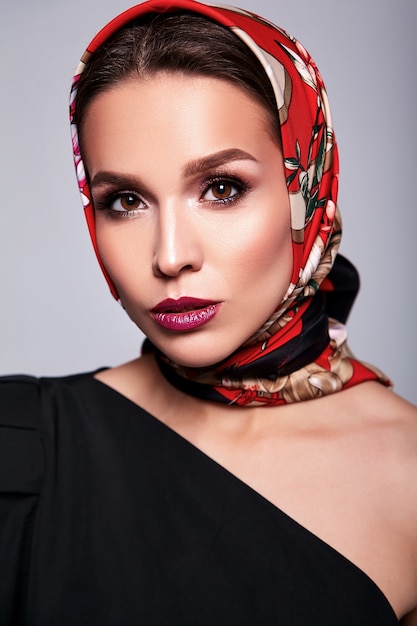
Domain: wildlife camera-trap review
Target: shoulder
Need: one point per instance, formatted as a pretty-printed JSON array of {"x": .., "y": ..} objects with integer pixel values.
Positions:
[
  {"x": 376, "y": 412},
  {"x": 19, "y": 400},
  {"x": 385, "y": 428},
  {"x": 21, "y": 479},
  {"x": 389, "y": 447},
  {"x": 390, "y": 420},
  {"x": 30, "y": 409},
  {"x": 393, "y": 429},
  {"x": 21, "y": 452},
  {"x": 369, "y": 435},
  {"x": 375, "y": 435}
]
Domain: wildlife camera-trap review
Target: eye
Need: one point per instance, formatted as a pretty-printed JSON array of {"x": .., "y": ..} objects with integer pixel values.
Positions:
[
  {"x": 126, "y": 202},
  {"x": 223, "y": 190}
]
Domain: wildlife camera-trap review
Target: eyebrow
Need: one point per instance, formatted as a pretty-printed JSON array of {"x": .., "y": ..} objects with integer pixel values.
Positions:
[
  {"x": 197, "y": 166},
  {"x": 110, "y": 178},
  {"x": 216, "y": 160}
]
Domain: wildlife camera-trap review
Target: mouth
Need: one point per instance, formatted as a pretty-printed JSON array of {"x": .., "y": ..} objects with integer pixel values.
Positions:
[{"x": 185, "y": 313}]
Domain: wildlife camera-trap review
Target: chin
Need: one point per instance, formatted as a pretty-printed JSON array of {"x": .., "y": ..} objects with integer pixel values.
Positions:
[
  {"x": 190, "y": 352},
  {"x": 194, "y": 361}
]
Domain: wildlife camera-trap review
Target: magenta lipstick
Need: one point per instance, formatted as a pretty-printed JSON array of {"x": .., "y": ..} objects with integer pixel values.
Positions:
[{"x": 185, "y": 313}]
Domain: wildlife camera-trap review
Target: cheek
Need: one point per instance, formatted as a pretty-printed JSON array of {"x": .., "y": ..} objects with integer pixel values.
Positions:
[
  {"x": 107, "y": 250},
  {"x": 119, "y": 252},
  {"x": 262, "y": 248}
]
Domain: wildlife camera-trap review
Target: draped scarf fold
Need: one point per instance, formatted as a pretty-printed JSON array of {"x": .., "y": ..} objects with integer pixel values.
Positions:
[{"x": 301, "y": 351}]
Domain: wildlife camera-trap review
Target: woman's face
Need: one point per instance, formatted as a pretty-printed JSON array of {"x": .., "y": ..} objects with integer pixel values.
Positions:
[{"x": 192, "y": 211}]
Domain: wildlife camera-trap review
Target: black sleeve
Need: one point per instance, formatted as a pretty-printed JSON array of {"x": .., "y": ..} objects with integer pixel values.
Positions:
[{"x": 21, "y": 471}]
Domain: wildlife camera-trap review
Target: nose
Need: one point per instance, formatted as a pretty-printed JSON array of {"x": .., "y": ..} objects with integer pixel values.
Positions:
[{"x": 177, "y": 245}]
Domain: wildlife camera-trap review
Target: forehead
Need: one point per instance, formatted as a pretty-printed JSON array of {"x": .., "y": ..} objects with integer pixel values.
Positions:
[{"x": 175, "y": 114}]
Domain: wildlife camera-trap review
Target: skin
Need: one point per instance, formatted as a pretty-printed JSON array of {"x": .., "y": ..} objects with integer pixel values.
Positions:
[
  {"x": 344, "y": 466},
  {"x": 182, "y": 240}
]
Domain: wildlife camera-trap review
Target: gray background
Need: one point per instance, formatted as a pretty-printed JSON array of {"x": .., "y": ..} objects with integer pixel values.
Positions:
[{"x": 56, "y": 314}]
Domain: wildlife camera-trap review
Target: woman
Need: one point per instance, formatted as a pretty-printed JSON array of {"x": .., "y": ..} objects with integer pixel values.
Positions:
[{"x": 246, "y": 469}]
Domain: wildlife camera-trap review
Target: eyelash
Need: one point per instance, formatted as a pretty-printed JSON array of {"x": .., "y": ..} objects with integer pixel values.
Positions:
[
  {"x": 241, "y": 188},
  {"x": 105, "y": 203}
]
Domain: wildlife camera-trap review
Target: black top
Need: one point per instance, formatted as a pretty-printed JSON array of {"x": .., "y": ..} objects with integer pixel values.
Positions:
[{"x": 108, "y": 517}]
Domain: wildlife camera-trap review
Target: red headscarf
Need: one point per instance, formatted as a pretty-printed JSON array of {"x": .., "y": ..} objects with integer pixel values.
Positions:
[{"x": 300, "y": 352}]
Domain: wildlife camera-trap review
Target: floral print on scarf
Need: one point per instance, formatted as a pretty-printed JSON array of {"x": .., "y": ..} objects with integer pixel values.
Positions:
[{"x": 300, "y": 352}]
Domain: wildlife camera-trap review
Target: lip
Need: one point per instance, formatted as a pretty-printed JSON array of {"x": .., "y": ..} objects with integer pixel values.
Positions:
[{"x": 185, "y": 313}]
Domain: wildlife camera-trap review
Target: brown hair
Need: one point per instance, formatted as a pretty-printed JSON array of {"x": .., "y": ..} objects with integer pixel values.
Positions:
[{"x": 177, "y": 42}]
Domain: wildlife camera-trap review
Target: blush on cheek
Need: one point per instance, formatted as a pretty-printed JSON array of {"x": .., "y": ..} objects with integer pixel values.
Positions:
[
  {"x": 114, "y": 266},
  {"x": 262, "y": 251}
]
